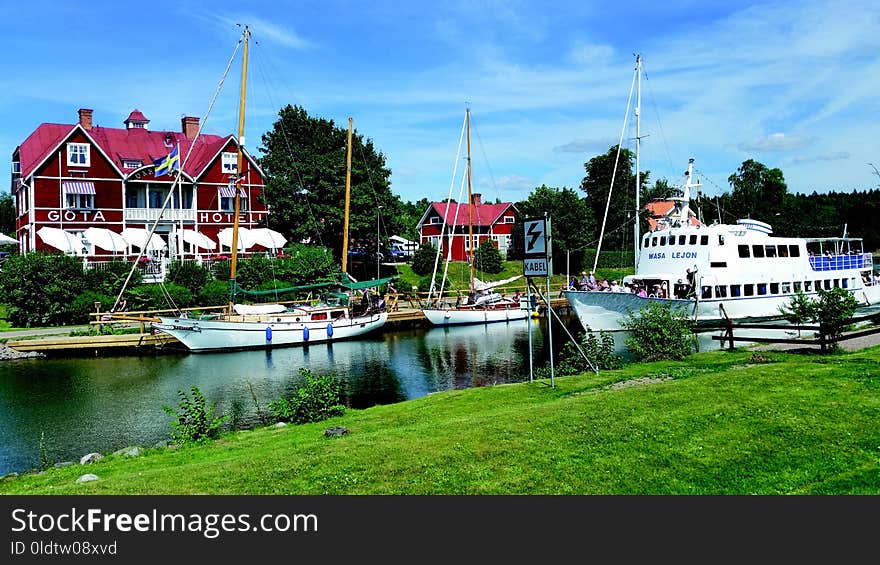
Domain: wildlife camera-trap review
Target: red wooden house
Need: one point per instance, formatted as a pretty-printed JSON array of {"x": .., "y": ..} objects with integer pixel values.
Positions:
[
  {"x": 76, "y": 176},
  {"x": 490, "y": 221}
]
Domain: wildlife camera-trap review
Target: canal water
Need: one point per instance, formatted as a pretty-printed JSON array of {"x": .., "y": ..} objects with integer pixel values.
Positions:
[{"x": 60, "y": 409}]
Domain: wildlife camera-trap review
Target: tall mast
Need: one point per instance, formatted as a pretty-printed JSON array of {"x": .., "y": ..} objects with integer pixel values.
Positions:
[
  {"x": 236, "y": 186},
  {"x": 347, "y": 201},
  {"x": 470, "y": 201},
  {"x": 638, "y": 173}
]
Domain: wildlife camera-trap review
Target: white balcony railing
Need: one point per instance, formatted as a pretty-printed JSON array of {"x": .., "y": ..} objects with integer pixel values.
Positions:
[{"x": 150, "y": 214}]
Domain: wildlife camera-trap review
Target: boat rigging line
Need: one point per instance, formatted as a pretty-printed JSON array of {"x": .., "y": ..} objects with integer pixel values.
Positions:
[
  {"x": 552, "y": 312},
  {"x": 178, "y": 177}
]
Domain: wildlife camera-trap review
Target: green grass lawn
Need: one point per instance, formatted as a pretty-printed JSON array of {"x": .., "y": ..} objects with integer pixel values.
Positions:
[{"x": 716, "y": 423}]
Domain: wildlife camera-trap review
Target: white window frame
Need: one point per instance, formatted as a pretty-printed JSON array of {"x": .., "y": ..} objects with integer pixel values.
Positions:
[
  {"x": 227, "y": 204},
  {"x": 78, "y": 154},
  {"x": 434, "y": 220},
  {"x": 509, "y": 220},
  {"x": 131, "y": 163},
  {"x": 79, "y": 201},
  {"x": 229, "y": 163}
]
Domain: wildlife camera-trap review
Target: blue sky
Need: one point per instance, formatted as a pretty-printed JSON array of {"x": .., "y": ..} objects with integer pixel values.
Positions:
[{"x": 791, "y": 84}]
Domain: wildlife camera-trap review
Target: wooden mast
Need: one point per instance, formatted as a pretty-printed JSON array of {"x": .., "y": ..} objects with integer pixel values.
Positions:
[
  {"x": 470, "y": 202},
  {"x": 347, "y": 201},
  {"x": 239, "y": 177}
]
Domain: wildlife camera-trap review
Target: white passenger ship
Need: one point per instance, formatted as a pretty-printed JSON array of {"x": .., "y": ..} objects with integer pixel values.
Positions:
[{"x": 741, "y": 272}]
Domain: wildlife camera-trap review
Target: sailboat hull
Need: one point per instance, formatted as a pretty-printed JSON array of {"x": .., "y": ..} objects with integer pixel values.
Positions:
[
  {"x": 464, "y": 316},
  {"x": 215, "y": 335}
]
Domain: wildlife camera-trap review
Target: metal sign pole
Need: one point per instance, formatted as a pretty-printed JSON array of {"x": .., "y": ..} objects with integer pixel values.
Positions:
[
  {"x": 529, "y": 321},
  {"x": 549, "y": 306}
]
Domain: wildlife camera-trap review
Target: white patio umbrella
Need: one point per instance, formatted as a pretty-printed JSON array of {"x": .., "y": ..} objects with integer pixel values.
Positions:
[
  {"x": 270, "y": 239},
  {"x": 6, "y": 240},
  {"x": 198, "y": 239},
  {"x": 138, "y": 238},
  {"x": 224, "y": 236},
  {"x": 106, "y": 239},
  {"x": 61, "y": 239}
]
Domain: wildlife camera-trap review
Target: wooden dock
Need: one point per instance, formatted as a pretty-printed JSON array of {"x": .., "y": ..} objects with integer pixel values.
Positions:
[
  {"x": 88, "y": 343},
  {"x": 403, "y": 316}
]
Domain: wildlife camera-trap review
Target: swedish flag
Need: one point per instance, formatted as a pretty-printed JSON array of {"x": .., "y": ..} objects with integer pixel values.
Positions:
[{"x": 168, "y": 163}]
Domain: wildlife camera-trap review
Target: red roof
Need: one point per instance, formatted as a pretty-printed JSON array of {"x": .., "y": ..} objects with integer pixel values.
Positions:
[
  {"x": 483, "y": 214},
  {"x": 121, "y": 143},
  {"x": 660, "y": 208},
  {"x": 136, "y": 116}
]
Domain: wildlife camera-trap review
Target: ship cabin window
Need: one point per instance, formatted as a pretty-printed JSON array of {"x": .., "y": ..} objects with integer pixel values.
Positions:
[
  {"x": 808, "y": 286},
  {"x": 682, "y": 239},
  {"x": 762, "y": 289},
  {"x": 706, "y": 292},
  {"x": 748, "y": 290},
  {"x": 770, "y": 250},
  {"x": 818, "y": 286},
  {"x": 836, "y": 283},
  {"x": 783, "y": 250},
  {"x": 827, "y": 284},
  {"x": 671, "y": 240},
  {"x": 337, "y": 314},
  {"x": 720, "y": 240},
  {"x": 693, "y": 240},
  {"x": 797, "y": 286},
  {"x": 844, "y": 283},
  {"x": 718, "y": 264},
  {"x": 653, "y": 242},
  {"x": 319, "y": 316},
  {"x": 704, "y": 240},
  {"x": 662, "y": 240},
  {"x": 735, "y": 290},
  {"x": 794, "y": 251},
  {"x": 757, "y": 251},
  {"x": 743, "y": 251},
  {"x": 774, "y": 288},
  {"x": 786, "y": 288},
  {"x": 721, "y": 291},
  {"x": 647, "y": 241}
]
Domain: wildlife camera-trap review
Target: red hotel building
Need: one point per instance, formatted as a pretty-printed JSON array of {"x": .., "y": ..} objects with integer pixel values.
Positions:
[
  {"x": 76, "y": 176},
  {"x": 490, "y": 221}
]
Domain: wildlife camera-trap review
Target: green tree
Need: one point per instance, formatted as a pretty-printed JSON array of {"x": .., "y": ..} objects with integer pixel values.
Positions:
[
  {"x": 834, "y": 310},
  {"x": 423, "y": 259},
  {"x": 488, "y": 259},
  {"x": 305, "y": 160},
  {"x": 758, "y": 192},
  {"x": 597, "y": 183},
  {"x": 571, "y": 224},
  {"x": 799, "y": 310},
  {"x": 7, "y": 214}
]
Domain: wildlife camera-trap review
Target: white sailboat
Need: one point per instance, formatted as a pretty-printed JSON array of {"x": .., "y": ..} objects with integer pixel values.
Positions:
[
  {"x": 482, "y": 305},
  {"x": 725, "y": 271},
  {"x": 269, "y": 325}
]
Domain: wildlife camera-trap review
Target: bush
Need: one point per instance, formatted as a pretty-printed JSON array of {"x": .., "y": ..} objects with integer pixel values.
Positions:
[
  {"x": 215, "y": 293},
  {"x": 599, "y": 350},
  {"x": 153, "y": 297},
  {"x": 423, "y": 259},
  {"x": 194, "y": 420},
  {"x": 108, "y": 278},
  {"x": 319, "y": 398},
  {"x": 84, "y": 304},
  {"x": 659, "y": 332},
  {"x": 39, "y": 288},
  {"x": 488, "y": 259},
  {"x": 188, "y": 274},
  {"x": 835, "y": 308}
]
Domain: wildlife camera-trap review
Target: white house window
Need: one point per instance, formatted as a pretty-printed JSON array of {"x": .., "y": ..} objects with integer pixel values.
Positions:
[
  {"x": 16, "y": 167},
  {"x": 227, "y": 199},
  {"x": 434, "y": 220},
  {"x": 508, "y": 219},
  {"x": 80, "y": 201},
  {"x": 229, "y": 161},
  {"x": 78, "y": 154},
  {"x": 131, "y": 163}
]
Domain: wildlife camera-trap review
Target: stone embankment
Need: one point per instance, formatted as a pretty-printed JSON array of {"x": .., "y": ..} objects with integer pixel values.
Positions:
[{"x": 7, "y": 353}]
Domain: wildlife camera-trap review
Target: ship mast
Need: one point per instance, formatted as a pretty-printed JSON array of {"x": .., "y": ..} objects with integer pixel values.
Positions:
[
  {"x": 236, "y": 185},
  {"x": 470, "y": 202},
  {"x": 347, "y": 201},
  {"x": 638, "y": 173}
]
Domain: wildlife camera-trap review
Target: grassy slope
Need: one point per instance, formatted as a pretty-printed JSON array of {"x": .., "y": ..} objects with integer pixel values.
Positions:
[{"x": 722, "y": 425}]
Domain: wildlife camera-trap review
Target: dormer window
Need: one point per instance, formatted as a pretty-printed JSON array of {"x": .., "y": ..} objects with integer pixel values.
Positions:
[
  {"x": 131, "y": 163},
  {"x": 78, "y": 154},
  {"x": 229, "y": 161},
  {"x": 434, "y": 220},
  {"x": 509, "y": 219}
]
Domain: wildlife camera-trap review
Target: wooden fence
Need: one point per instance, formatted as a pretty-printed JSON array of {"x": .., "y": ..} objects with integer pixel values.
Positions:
[{"x": 823, "y": 335}]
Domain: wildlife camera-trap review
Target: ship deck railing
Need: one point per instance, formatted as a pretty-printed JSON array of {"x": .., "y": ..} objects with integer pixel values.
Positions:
[{"x": 860, "y": 261}]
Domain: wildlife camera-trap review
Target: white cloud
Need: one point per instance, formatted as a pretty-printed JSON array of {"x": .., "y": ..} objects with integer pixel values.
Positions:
[{"x": 776, "y": 142}]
